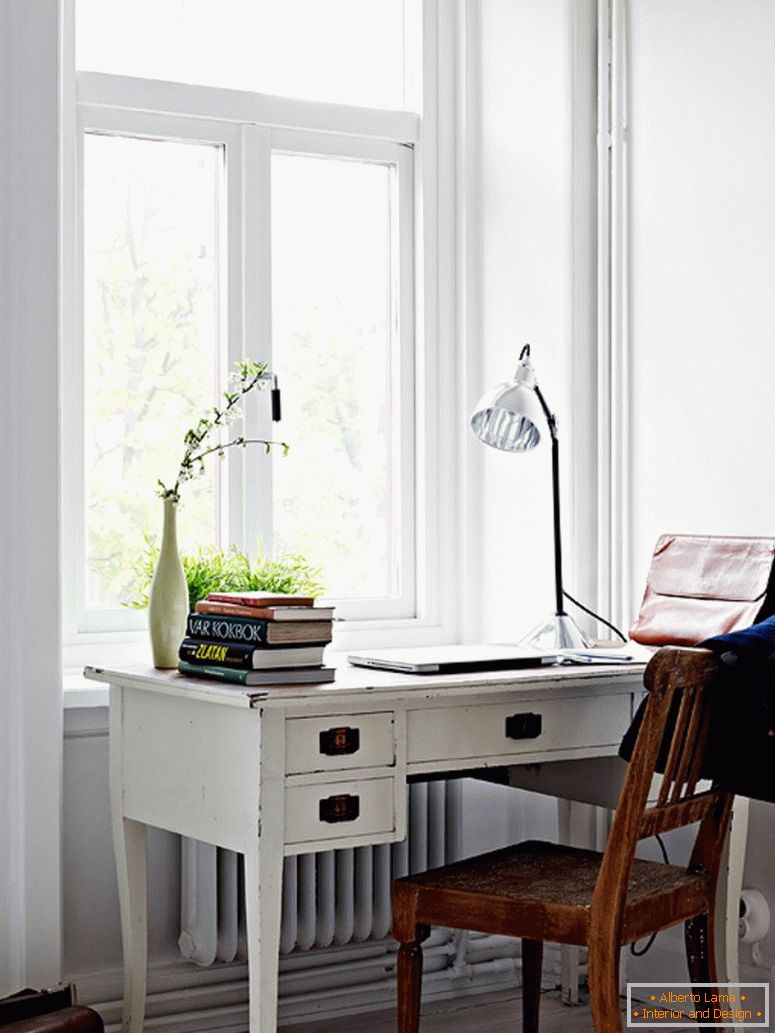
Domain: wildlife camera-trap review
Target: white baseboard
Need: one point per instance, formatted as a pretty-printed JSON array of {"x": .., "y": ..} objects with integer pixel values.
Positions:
[
  {"x": 215, "y": 1000},
  {"x": 184, "y": 998}
]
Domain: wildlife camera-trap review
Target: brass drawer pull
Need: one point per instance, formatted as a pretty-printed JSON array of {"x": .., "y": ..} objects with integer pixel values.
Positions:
[
  {"x": 340, "y": 808},
  {"x": 337, "y": 742}
]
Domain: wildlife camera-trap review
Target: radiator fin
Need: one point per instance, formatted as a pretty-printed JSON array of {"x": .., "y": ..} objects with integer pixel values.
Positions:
[{"x": 336, "y": 897}]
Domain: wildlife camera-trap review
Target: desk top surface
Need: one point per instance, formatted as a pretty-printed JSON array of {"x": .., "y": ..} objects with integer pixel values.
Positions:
[{"x": 357, "y": 683}]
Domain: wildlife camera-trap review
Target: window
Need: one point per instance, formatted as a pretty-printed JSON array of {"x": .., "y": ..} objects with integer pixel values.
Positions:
[
  {"x": 336, "y": 268},
  {"x": 213, "y": 225},
  {"x": 152, "y": 286},
  {"x": 340, "y": 51}
]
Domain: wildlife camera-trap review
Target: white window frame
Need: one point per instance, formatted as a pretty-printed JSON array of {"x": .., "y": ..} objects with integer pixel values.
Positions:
[
  {"x": 399, "y": 158},
  {"x": 250, "y": 126},
  {"x": 78, "y": 620}
]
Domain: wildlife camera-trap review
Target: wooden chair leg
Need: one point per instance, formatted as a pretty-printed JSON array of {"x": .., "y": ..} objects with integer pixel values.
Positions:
[
  {"x": 604, "y": 987},
  {"x": 532, "y": 959},
  {"x": 409, "y": 981}
]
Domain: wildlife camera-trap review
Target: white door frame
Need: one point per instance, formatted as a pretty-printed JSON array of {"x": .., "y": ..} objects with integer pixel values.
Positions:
[{"x": 31, "y": 716}]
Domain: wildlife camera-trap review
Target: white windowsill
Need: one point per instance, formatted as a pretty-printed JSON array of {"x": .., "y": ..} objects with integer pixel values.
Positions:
[
  {"x": 133, "y": 649},
  {"x": 80, "y": 692}
]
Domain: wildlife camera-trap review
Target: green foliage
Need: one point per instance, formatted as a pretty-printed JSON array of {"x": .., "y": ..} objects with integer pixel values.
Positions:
[
  {"x": 217, "y": 570},
  {"x": 288, "y": 573}
]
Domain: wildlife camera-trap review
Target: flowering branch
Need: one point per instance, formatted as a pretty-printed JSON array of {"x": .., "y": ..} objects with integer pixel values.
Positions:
[{"x": 250, "y": 375}]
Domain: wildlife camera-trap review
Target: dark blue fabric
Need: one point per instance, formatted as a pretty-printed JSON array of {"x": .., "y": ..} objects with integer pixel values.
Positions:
[
  {"x": 741, "y": 747},
  {"x": 756, "y": 643},
  {"x": 740, "y": 754}
]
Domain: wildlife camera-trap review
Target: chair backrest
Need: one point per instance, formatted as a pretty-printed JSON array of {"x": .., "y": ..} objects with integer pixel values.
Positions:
[
  {"x": 680, "y": 681},
  {"x": 674, "y": 730}
]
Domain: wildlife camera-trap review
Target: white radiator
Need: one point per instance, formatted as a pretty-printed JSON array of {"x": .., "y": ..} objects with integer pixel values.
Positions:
[{"x": 331, "y": 898}]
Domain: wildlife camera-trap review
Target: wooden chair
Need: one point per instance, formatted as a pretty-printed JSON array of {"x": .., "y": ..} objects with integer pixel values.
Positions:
[{"x": 539, "y": 891}]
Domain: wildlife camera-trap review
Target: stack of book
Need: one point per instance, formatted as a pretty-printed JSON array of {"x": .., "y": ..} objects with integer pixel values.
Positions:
[{"x": 257, "y": 638}]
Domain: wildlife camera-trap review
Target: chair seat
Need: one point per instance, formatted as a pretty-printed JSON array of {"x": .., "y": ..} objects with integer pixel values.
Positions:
[{"x": 544, "y": 891}]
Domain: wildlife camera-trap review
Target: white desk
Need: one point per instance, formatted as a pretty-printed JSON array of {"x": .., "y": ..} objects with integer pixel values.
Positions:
[{"x": 253, "y": 770}]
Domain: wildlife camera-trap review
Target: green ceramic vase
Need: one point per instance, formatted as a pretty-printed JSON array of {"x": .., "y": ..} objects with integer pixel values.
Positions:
[{"x": 168, "y": 600}]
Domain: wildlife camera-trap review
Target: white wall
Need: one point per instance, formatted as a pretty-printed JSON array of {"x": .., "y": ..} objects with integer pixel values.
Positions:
[
  {"x": 92, "y": 934},
  {"x": 30, "y": 683},
  {"x": 702, "y": 304},
  {"x": 702, "y": 155}
]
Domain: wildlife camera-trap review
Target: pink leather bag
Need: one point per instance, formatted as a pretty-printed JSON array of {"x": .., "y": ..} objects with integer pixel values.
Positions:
[{"x": 704, "y": 585}]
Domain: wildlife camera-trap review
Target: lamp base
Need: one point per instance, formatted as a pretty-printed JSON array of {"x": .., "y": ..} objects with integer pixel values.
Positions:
[{"x": 559, "y": 632}]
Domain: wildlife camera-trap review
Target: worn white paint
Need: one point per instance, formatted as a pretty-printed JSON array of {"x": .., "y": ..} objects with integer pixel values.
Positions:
[{"x": 209, "y": 761}]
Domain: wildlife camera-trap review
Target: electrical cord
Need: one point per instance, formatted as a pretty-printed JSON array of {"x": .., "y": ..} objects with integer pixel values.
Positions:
[
  {"x": 639, "y": 953},
  {"x": 591, "y": 613},
  {"x": 644, "y": 950}
]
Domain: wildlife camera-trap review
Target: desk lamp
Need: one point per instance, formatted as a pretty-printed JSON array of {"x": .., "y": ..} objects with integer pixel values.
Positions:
[{"x": 509, "y": 418}]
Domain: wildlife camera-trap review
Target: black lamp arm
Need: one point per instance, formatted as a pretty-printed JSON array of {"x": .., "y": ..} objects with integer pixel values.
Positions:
[
  {"x": 559, "y": 594},
  {"x": 551, "y": 419}
]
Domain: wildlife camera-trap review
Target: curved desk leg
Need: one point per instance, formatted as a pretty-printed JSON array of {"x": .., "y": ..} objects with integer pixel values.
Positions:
[
  {"x": 263, "y": 897},
  {"x": 730, "y": 886},
  {"x": 133, "y": 902},
  {"x": 264, "y": 855},
  {"x": 130, "y": 840}
]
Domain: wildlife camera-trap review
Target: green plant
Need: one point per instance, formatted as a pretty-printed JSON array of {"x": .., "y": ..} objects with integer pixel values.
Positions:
[
  {"x": 198, "y": 440},
  {"x": 229, "y": 570}
]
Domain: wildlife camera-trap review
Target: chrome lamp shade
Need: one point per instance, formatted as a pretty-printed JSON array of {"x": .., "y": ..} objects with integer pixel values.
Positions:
[
  {"x": 510, "y": 418},
  {"x": 507, "y": 419}
]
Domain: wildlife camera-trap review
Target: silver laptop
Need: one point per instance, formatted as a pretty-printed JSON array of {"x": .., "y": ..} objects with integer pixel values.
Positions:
[{"x": 452, "y": 659}]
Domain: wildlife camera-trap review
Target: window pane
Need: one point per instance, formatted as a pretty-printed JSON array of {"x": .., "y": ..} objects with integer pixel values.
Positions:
[
  {"x": 334, "y": 493},
  {"x": 345, "y": 51},
  {"x": 151, "y": 332}
]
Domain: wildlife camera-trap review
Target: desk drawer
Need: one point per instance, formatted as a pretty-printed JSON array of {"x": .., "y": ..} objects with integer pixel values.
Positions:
[
  {"x": 494, "y": 730},
  {"x": 337, "y": 810},
  {"x": 338, "y": 743}
]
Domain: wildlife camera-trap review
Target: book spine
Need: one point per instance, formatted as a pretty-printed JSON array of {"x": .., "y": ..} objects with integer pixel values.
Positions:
[
  {"x": 215, "y": 628},
  {"x": 219, "y": 654},
  {"x": 229, "y": 674},
  {"x": 233, "y": 610},
  {"x": 269, "y": 600}
]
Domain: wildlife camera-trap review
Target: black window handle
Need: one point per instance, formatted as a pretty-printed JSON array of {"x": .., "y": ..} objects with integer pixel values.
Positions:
[{"x": 523, "y": 726}]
